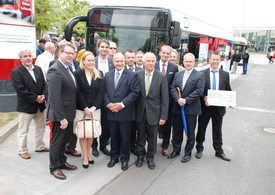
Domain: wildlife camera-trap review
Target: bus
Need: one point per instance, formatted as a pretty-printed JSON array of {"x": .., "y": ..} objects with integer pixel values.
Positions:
[
  {"x": 17, "y": 31},
  {"x": 241, "y": 44},
  {"x": 148, "y": 28}
]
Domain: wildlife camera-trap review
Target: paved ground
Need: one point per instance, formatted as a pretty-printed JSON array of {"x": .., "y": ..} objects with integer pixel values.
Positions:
[{"x": 251, "y": 170}]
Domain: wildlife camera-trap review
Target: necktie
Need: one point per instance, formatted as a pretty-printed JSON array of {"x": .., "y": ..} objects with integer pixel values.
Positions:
[
  {"x": 185, "y": 77},
  {"x": 117, "y": 79},
  {"x": 104, "y": 68},
  {"x": 132, "y": 69},
  {"x": 163, "y": 68},
  {"x": 147, "y": 83},
  {"x": 214, "y": 80},
  {"x": 71, "y": 74}
]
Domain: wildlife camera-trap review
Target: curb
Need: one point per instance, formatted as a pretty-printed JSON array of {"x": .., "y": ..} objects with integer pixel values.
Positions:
[{"x": 8, "y": 129}]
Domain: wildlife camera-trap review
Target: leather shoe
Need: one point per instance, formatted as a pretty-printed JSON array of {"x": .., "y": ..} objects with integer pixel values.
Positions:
[
  {"x": 139, "y": 162},
  {"x": 198, "y": 155},
  {"x": 105, "y": 151},
  {"x": 46, "y": 149},
  {"x": 165, "y": 152},
  {"x": 25, "y": 155},
  {"x": 85, "y": 166},
  {"x": 185, "y": 159},
  {"x": 124, "y": 166},
  {"x": 67, "y": 166},
  {"x": 112, "y": 163},
  {"x": 91, "y": 162},
  {"x": 222, "y": 156},
  {"x": 95, "y": 152},
  {"x": 173, "y": 155},
  {"x": 59, "y": 174},
  {"x": 74, "y": 153},
  {"x": 151, "y": 164}
]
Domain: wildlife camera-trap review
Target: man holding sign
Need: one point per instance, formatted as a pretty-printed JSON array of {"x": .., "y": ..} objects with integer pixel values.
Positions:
[{"x": 215, "y": 79}]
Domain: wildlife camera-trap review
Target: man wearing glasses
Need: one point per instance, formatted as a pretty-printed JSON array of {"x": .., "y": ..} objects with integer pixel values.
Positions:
[{"x": 112, "y": 50}]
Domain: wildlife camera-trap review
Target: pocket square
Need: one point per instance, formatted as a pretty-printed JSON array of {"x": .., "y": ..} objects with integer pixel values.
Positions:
[{"x": 171, "y": 73}]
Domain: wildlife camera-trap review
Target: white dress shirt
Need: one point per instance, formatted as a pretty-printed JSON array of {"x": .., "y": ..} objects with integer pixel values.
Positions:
[
  {"x": 160, "y": 66},
  {"x": 43, "y": 60},
  {"x": 31, "y": 72},
  {"x": 185, "y": 77}
]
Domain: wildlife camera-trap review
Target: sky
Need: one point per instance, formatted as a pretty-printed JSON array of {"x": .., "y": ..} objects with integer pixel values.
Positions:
[{"x": 229, "y": 13}]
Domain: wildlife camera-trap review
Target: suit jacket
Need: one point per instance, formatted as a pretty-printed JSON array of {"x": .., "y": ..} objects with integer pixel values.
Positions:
[
  {"x": 127, "y": 92},
  {"x": 157, "y": 100},
  {"x": 170, "y": 74},
  {"x": 62, "y": 93},
  {"x": 137, "y": 68},
  {"x": 110, "y": 63},
  {"x": 193, "y": 89},
  {"x": 224, "y": 84},
  {"x": 27, "y": 89},
  {"x": 89, "y": 95},
  {"x": 76, "y": 64}
]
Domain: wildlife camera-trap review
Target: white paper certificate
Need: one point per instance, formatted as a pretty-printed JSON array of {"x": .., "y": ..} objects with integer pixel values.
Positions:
[{"x": 221, "y": 98}]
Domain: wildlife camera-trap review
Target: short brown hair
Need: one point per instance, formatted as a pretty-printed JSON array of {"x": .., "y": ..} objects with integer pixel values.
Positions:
[
  {"x": 103, "y": 41},
  {"x": 66, "y": 43},
  {"x": 215, "y": 53},
  {"x": 129, "y": 51},
  {"x": 166, "y": 46}
]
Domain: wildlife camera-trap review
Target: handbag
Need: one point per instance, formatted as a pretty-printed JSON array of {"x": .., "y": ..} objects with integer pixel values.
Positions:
[{"x": 88, "y": 128}]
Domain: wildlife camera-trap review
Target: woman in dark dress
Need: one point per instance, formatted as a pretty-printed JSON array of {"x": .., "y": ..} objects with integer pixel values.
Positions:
[{"x": 90, "y": 92}]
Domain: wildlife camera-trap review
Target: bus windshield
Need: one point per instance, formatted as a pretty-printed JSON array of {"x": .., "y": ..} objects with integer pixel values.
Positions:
[{"x": 144, "y": 40}]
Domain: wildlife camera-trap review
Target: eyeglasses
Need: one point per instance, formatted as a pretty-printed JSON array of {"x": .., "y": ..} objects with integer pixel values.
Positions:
[
  {"x": 113, "y": 48},
  {"x": 69, "y": 53}
]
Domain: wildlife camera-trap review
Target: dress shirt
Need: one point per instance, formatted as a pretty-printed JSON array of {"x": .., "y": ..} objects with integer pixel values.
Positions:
[
  {"x": 151, "y": 76},
  {"x": 43, "y": 60},
  {"x": 217, "y": 79},
  {"x": 100, "y": 64},
  {"x": 185, "y": 77},
  {"x": 73, "y": 66},
  {"x": 133, "y": 69},
  {"x": 31, "y": 72},
  {"x": 160, "y": 66}
]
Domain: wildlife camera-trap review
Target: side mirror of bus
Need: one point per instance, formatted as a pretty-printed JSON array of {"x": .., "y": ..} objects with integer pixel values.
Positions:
[
  {"x": 70, "y": 25},
  {"x": 176, "y": 35}
]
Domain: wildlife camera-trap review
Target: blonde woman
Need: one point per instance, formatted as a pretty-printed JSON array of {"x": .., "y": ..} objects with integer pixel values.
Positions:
[{"x": 90, "y": 92}]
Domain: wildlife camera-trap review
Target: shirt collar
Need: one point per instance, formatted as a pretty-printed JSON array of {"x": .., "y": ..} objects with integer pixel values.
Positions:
[
  {"x": 190, "y": 71},
  {"x": 100, "y": 60},
  {"x": 128, "y": 67},
  {"x": 120, "y": 72},
  {"x": 163, "y": 63},
  {"x": 66, "y": 66},
  {"x": 217, "y": 71},
  {"x": 151, "y": 73},
  {"x": 28, "y": 67}
]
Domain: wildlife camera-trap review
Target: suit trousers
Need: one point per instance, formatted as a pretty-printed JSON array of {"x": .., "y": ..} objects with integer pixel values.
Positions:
[
  {"x": 191, "y": 121},
  {"x": 149, "y": 133},
  {"x": 58, "y": 143},
  {"x": 105, "y": 134},
  {"x": 71, "y": 145},
  {"x": 134, "y": 136},
  {"x": 212, "y": 112},
  {"x": 167, "y": 128},
  {"x": 120, "y": 140},
  {"x": 23, "y": 129},
  {"x": 235, "y": 66}
]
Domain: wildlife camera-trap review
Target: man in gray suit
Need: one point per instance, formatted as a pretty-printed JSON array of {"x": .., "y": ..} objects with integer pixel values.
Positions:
[
  {"x": 191, "y": 83},
  {"x": 62, "y": 107},
  {"x": 151, "y": 108}
]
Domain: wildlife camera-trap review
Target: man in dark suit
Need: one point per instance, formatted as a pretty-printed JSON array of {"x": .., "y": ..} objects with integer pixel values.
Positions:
[
  {"x": 29, "y": 83},
  {"x": 191, "y": 83},
  {"x": 105, "y": 64},
  {"x": 121, "y": 91},
  {"x": 169, "y": 70},
  {"x": 139, "y": 59},
  {"x": 130, "y": 65},
  {"x": 62, "y": 108},
  {"x": 216, "y": 113},
  {"x": 72, "y": 141},
  {"x": 152, "y": 109}
]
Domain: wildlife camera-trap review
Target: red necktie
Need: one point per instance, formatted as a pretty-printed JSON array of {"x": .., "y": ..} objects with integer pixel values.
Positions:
[{"x": 163, "y": 69}]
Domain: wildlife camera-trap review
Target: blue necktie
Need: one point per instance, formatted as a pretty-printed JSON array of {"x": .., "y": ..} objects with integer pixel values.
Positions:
[
  {"x": 117, "y": 79},
  {"x": 214, "y": 80}
]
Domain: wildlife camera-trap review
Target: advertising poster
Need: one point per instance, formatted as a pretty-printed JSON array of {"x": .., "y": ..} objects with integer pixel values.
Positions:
[{"x": 203, "y": 52}]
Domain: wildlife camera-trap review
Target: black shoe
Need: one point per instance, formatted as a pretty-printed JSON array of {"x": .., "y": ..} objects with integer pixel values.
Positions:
[
  {"x": 124, "y": 166},
  {"x": 198, "y": 155},
  {"x": 112, "y": 163},
  {"x": 91, "y": 162},
  {"x": 151, "y": 164},
  {"x": 95, "y": 152},
  {"x": 173, "y": 155},
  {"x": 185, "y": 159},
  {"x": 222, "y": 156},
  {"x": 105, "y": 151},
  {"x": 85, "y": 166},
  {"x": 139, "y": 162}
]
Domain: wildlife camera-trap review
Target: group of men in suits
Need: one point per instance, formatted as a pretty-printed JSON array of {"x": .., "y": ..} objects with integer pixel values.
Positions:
[{"x": 137, "y": 100}]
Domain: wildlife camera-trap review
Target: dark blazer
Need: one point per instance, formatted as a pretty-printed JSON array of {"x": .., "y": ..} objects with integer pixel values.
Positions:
[
  {"x": 27, "y": 89},
  {"x": 62, "y": 93},
  {"x": 157, "y": 100},
  {"x": 224, "y": 84},
  {"x": 127, "y": 92},
  {"x": 193, "y": 89},
  {"x": 110, "y": 63},
  {"x": 89, "y": 95},
  {"x": 76, "y": 64}
]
